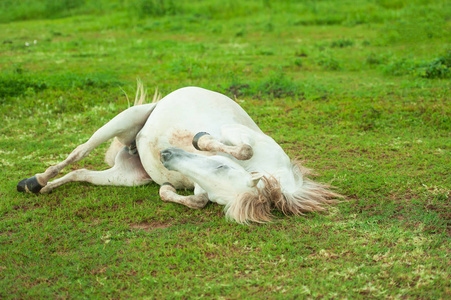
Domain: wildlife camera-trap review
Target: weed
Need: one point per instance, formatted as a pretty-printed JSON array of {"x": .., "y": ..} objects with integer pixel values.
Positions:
[
  {"x": 342, "y": 43},
  {"x": 376, "y": 59},
  {"x": 276, "y": 85},
  {"x": 298, "y": 62},
  {"x": 392, "y": 4},
  {"x": 438, "y": 68},
  {"x": 15, "y": 84},
  {"x": 369, "y": 119},
  {"x": 155, "y": 8},
  {"x": 266, "y": 52},
  {"x": 29, "y": 9},
  {"x": 398, "y": 67},
  {"x": 301, "y": 53},
  {"x": 237, "y": 90},
  {"x": 328, "y": 62}
]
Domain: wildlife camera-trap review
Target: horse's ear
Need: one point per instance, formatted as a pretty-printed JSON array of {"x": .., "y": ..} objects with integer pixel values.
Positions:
[{"x": 255, "y": 178}]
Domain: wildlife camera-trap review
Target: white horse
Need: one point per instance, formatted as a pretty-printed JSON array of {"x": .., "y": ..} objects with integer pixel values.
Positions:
[{"x": 195, "y": 138}]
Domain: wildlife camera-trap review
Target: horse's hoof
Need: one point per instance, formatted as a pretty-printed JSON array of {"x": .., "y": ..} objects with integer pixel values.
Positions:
[
  {"x": 21, "y": 186},
  {"x": 29, "y": 185},
  {"x": 196, "y": 139}
]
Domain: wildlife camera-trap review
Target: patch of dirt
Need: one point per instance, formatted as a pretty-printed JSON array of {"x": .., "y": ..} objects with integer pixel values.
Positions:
[
  {"x": 237, "y": 89},
  {"x": 25, "y": 207},
  {"x": 139, "y": 201},
  {"x": 443, "y": 211},
  {"x": 150, "y": 226}
]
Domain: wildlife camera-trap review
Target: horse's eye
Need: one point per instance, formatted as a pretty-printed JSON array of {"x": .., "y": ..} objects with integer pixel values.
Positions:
[{"x": 219, "y": 167}]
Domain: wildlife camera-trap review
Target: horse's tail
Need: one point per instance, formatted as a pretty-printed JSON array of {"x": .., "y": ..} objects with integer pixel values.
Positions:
[
  {"x": 310, "y": 196},
  {"x": 141, "y": 94},
  {"x": 140, "y": 99}
]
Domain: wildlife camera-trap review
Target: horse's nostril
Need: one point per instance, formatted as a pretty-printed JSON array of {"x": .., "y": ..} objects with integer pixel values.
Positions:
[{"x": 165, "y": 155}]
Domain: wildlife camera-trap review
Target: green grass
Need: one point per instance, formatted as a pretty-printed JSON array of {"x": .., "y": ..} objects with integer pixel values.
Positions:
[{"x": 358, "y": 90}]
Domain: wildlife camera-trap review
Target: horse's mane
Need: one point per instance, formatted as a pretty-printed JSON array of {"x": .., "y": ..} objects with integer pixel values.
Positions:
[
  {"x": 256, "y": 207},
  {"x": 310, "y": 195}
]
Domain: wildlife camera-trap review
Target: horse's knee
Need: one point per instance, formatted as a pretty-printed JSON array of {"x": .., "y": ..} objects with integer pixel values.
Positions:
[
  {"x": 167, "y": 191},
  {"x": 29, "y": 185},
  {"x": 198, "y": 201},
  {"x": 52, "y": 171},
  {"x": 245, "y": 152},
  {"x": 169, "y": 194}
]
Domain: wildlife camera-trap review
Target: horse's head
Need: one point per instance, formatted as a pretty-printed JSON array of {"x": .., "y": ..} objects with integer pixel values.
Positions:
[
  {"x": 225, "y": 182},
  {"x": 219, "y": 176}
]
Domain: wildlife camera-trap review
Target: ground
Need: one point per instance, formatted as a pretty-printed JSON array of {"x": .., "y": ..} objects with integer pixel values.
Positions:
[{"x": 357, "y": 90}]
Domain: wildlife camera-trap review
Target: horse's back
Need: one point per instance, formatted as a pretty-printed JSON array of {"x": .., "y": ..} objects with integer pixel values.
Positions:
[{"x": 198, "y": 109}]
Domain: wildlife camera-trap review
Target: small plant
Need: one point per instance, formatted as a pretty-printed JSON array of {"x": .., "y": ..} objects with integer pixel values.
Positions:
[
  {"x": 329, "y": 63},
  {"x": 240, "y": 33},
  {"x": 155, "y": 8},
  {"x": 399, "y": 67},
  {"x": 342, "y": 43},
  {"x": 438, "y": 68},
  {"x": 17, "y": 84},
  {"x": 276, "y": 86},
  {"x": 376, "y": 59},
  {"x": 266, "y": 52},
  {"x": 368, "y": 120},
  {"x": 237, "y": 90},
  {"x": 301, "y": 53},
  {"x": 298, "y": 62}
]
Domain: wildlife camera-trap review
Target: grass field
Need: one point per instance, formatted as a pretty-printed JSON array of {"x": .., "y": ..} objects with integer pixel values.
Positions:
[{"x": 358, "y": 90}]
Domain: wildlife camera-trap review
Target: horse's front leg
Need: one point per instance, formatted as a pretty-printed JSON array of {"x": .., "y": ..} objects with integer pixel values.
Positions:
[
  {"x": 236, "y": 140},
  {"x": 168, "y": 193},
  {"x": 125, "y": 126}
]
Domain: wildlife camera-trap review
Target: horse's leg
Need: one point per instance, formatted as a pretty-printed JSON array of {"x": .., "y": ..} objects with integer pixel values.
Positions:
[
  {"x": 127, "y": 171},
  {"x": 234, "y": 141},
  {"x": 168, "y": 193},
  {"x": 125, "y": 126}
]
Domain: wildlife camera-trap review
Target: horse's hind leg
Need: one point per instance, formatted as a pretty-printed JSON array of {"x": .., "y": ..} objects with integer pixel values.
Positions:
[
  {"x": 168, "y": 193},
  {"x": 125, "y": 126},
  {"x": 235, "y": 140},
  {"x": 127, "y": 171}
]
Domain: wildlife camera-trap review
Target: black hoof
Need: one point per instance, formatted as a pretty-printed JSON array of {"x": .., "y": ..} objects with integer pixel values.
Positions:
[
  {"x": 21, "y": 186},
  {"x": 29, "y": 185},
  {"x": 196, "y": 139}
]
